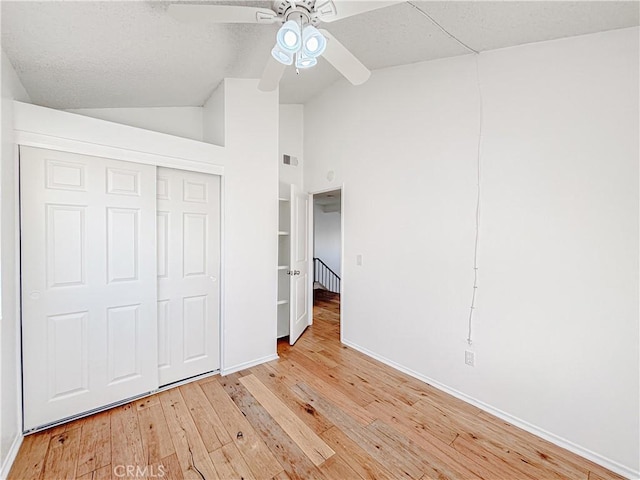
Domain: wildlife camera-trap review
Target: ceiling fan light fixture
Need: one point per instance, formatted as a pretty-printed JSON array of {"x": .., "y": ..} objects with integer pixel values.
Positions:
[
  {"x": 303, "y": 61},
  {"x": 284, "y": 57},
  {"x": 289, "y": 38},
  {"x": 313, "y": 42}
]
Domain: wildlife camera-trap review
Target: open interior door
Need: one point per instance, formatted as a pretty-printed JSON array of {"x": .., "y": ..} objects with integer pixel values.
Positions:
[{"x": 299, "y": 311}]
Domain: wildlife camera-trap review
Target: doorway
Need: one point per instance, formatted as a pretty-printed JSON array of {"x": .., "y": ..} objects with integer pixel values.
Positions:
[{"x": 327, "y": 229}]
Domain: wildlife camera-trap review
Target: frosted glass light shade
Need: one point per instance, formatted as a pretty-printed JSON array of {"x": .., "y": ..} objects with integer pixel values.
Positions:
[
  {"x": 302, "y": 61},
  {"x": 313, "y": 42},
  {"x": 289, "y": 37},
  {"x": 282, "y": 56}
]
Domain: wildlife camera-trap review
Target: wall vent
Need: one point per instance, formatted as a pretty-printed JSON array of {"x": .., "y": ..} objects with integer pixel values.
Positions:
[{"x": 289, "y": 160}]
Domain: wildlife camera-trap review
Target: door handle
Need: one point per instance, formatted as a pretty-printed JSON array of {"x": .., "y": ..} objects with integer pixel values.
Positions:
[{"x": 293, "y": 272}]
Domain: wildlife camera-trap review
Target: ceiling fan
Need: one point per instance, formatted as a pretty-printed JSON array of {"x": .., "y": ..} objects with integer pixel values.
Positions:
[{"x": 298, "y": 41}]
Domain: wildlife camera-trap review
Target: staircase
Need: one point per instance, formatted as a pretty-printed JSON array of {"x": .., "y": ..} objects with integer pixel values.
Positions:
[{"x": 324, "y": 278}]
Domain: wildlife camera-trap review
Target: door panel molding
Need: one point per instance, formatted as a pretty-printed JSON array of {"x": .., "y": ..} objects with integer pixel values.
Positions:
[
  {"x": 188, "y": 285},
  {"x": 89, "y": 295},
  {"x": 299, "y": 261}
]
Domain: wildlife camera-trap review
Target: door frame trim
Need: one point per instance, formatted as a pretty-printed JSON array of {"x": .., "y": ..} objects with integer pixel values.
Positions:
[
  {"x": 310, "y": 238},
  {"x": 42, "y": 127}
]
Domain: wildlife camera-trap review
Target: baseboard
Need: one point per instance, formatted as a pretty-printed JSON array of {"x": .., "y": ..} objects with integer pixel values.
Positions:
[
  {"x": 11, "y": 456},
  {"x": 249, "y": 364},
  {"x": 555, "y": 439}
]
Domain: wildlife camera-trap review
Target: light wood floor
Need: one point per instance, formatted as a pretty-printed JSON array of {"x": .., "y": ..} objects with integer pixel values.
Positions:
[{"x": 321, "y": 411}]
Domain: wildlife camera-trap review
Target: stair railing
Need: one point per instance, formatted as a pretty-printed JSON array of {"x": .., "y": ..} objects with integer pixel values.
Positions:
[{"x": 325, "y": 276}]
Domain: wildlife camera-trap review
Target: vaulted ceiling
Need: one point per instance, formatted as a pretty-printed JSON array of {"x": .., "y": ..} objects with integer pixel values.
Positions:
[{"x": 72, "y": 54}]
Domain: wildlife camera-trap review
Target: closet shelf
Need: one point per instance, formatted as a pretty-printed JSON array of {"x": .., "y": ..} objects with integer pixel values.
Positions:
[
  {"x": 283, "y": 302},
  {"x": 282, "y": 232},
  {"x": 283, "y": 267}
]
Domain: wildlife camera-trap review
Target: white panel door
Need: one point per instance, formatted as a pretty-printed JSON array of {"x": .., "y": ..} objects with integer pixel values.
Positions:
[
  {"x": 188, "y": 270},
  {"x": 299, "y": 294},
  {"x": 88, "y": 283}
]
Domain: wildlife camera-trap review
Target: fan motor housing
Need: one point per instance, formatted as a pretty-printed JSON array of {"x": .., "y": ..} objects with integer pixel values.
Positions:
[{"x": 304, "y": 9}]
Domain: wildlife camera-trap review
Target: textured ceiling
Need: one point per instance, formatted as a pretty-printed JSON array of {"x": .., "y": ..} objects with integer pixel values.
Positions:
[
  {"x": 71, "y": 54},
  {"x": 328, "y": 201}
]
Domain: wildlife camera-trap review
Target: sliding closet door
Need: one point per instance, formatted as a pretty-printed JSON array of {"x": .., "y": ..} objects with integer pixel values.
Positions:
[
  {"x": 88, "y": 283},
  {"x": 188, "y": 270}
]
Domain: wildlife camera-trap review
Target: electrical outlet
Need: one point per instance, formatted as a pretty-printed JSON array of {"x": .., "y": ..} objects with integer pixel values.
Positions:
[{"x": 469, "y": 357}]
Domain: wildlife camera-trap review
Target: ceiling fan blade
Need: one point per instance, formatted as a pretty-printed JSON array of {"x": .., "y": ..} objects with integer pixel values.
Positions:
[
  {"x": 271, "y": 76},
  {"x": 332, "y": 10},
  {"x": 344, "y": 61},
  {"x": 221, "y": 14}
]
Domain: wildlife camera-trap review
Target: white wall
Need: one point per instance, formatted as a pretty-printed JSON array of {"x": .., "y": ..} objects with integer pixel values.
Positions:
[
  {"x": 179, "y": 121},
  {"x": 556, "y": 328},
  {"x": 10, "y": 384},
  {"x": 290, "y": 142},
  {"x": 213, "y": 115},
  {"x": 251, "y": 223},
  {"x": 290, "y": 136},
  {"x": 326, "y": 238}
]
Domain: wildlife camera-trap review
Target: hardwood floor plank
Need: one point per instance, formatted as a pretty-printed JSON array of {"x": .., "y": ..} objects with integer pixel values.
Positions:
[
  {"x": 305, "y": 438},
  {"x": 606, "y": 475},
  {"x": 154, "y": 432},
  {"x": 103, "y": 473},
  {"x": 359, "y": 460},
  {"x": 147, "y": 402},
  {"x": 293, "y": 460},
  {"x": 95, "y": 443},
  {"x": 337, "y": 468},
  {"x": 603, "y": 473},
  {"x": 502, "y": 441},
  {"x": 421, "y": 457},
  {"x": 437, "y": 449},
  {"x": 314, "y": 353},
  {"x": 126, "y": 443},
  {"x": 171, "y": 468},
  {"x": 86, "y": 476},
  {"x": 62, "y": 456},
  {"x": 375, "y": 374},
  {"x": 352, "y": 387},
  {"x": 562, "y": 460},
  {"x": 305, "y": 412},
  {"x": 31, "y": 457},
  {"x": 399, "y": 465},
  {"x": 396, "y": 413},
  {"x": 228, "y": 462},
  {"x": 192, "y": 455},
  {"x": 58, "y": 429},
  {"x": 428, "y": 393},
  {"x": 292, "y": 374},
  {"x": 211, "y": 429},
  {"x": 254, "y": 451},
  {"x": 494, "y": 463},
  {"x": 281, "y": 476}
]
